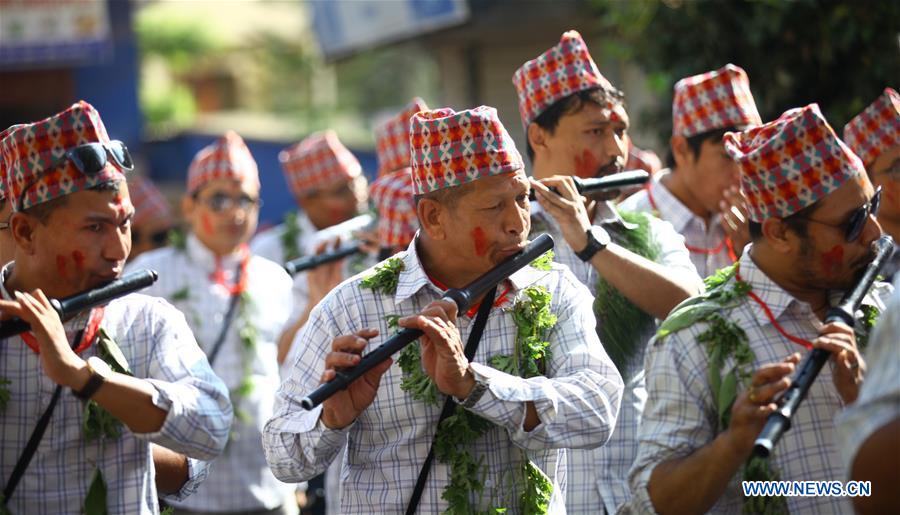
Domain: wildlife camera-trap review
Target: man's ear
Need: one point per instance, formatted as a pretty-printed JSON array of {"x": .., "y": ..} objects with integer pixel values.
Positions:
[
  {"x": 188, "y": 204},
  {"x": 778, "y": 235},
  {"x": 432, "y": 218},
  {"x": 681, "y": 152},
  {"x": 537, "y": 138},
  {"x": 22, "y": 228}
]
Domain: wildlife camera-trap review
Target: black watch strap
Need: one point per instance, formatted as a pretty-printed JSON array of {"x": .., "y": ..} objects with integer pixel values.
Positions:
[
  {"x": 593, "y": 246},
  {"x": 93, "y": 384}
]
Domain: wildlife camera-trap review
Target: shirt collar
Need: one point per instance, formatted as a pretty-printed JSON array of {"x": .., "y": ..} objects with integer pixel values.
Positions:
[
  {"x": 200, "y": 255},
  {"x": 669, "y": 207},
  {"x": 413, "y": 277}
]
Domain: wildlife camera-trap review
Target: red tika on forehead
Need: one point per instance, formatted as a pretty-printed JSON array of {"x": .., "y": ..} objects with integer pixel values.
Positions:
[
  {"x": 450, "y": 149},
  {"x": 876, "y": 129},
  {"x": 392, "y": 138},
  {"x": 713, "y": 100},
  {"x": 791, "y": 163},
  {"x": 33, "y": 155},
  {"x": 565, "y": 69},
  {"x": 226, "y": 158},
  {"x": 317, "y": 161}
]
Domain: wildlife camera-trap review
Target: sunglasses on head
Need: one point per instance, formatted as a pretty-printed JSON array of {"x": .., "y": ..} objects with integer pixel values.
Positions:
[
  {"x": 90, "y": 159},
  {"x": 221, "y": 202},
  {"x": 856, "y": 222}
]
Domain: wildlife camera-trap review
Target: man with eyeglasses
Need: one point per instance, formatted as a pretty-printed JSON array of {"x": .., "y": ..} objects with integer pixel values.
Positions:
[
  {"x": 874, "y": 135},
  {"x": 91, "y": 392},
  {"x": 716, "y": 367},
  {"x": 326, "y": 180},
  {"x": 236, "y": 303},
  {"x": 153, "y": 218}
]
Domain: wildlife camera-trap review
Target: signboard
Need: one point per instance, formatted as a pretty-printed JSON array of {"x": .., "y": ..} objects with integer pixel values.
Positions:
[
  {"x": 39, "y": 33},
  {"x": 344, "y": 27}
]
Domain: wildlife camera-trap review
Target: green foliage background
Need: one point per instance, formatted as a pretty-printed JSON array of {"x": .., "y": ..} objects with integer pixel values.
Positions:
[{"x": 841, "y": 54}]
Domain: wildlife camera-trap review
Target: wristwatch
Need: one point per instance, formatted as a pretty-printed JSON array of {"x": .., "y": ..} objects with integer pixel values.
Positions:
[
  {"x": 100, "y": 371},
  {"x": 475, "y": 395},
  {"x": 597, "y": 240}
]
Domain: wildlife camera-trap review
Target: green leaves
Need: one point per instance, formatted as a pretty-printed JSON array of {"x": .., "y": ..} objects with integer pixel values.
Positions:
[
  {"x": 543, "y": 262},
  {"x": 4, "y": 392},
  {"x": 180, "y": 295},
  {"x": 385, "y": 277},
  {"x": 537, "y": 490},
  {"x": 95, "y": 501},
  {"x": 99, "y": 423},
  {"x": 290, "y": 236}
]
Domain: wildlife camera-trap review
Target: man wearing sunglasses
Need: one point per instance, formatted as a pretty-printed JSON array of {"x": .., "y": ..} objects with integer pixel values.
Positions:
[
  {"x": 715, "y": 369},
  {"x": 91, "y": 392},
  {"x": 153, "y": 218},
  {"x": 874, "y": 135},
  {"x": 327, "y": 182},
  {"x": 236, "y": 303}
]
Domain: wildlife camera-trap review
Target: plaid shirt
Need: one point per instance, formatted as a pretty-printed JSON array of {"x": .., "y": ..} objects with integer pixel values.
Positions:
[
  {"x": 268, "y": 244},
  {"x": 879, "y": 400},
  {"x": 159, "y": 347},
  {"x": 600, "y": 476},
  {"x": 577, "y": 402},
  {"x": 240, "y": 478},
  {"x": 698, "y": 236},
  {"x": 681, "y": 417}
]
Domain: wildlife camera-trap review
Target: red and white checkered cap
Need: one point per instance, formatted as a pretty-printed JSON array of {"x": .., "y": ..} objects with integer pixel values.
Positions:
[
  {"x": 2, "y": 166},
  {"x": 319, "y": 160},
  {"x": 392, "y": 138},
  {"x": 876, "y": 129},
  {"x": 450, "y": 149},
  {"x": 791, "y": 163},
  {"x": 149, "y": 203},
  {"x": 226, "y": 158},
  {"x": 713, "y": 100},
  {"x": 392, "y": 196},
  {"x": 33, "y": 156},
  {"x": 563, "y": 70}
]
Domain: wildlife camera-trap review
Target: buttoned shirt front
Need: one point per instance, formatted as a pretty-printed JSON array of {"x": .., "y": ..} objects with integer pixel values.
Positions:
[
  {"x": 158, "y": 346},
  {"x": 681, "y": 417},
  {"x": 709, "y": 248},
  {"x": 598, "y": 477},
  {"x": 386, "y": 446},
  {"x": 239, "y": 479}
]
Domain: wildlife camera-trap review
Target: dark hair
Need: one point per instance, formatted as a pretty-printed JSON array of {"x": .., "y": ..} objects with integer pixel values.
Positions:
[
  {"x": 695, "y": 142},
  {"x": 796, "y": 222},
  {"x": 572, "y": 104},
  {"x": 43, "y": 210}
]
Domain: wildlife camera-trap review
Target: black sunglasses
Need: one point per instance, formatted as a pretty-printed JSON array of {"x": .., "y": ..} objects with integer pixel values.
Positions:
[
  {"x": 220, "y": 202},
  {"x": 856, "y": 222},
  {"x": 90, "y": 159}
]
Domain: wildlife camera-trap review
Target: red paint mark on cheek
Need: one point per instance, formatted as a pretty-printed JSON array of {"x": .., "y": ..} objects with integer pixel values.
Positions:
[
  {"x": 833, "y": 260},
  {"x": 586, "y": 165},
  {"x": 207, "y": 224},
  {"x": 480, "y": 241},
  {"x": 78, "y": 258},
  {"x": 61, "y": 267}
]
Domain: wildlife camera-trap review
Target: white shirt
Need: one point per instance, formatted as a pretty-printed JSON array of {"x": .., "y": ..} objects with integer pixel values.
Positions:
[
  {"x": 681, "y": 417},
  {"x": 599, "y": 477},
  {"x": 240, "y": 478},
  {"x": 159, "y": 347},
  {"x": 387, "y": 445},
  {"x": 707, "y": 243}
]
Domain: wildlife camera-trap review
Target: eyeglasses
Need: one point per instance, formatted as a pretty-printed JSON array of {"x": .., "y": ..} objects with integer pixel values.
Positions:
[
  {"x": 157, "y": 238},
  {"x": 853, "y": 226},
  {"x": 90, "y": 159},
  {"x": 220, "y": 202}
]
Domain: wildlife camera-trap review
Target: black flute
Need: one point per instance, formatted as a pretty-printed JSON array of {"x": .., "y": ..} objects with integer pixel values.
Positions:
[
  {"x": 295, "y": 266},
  {"x": 462, "y": 297},
  {"x": 74, "y": 304},
  {"x": 610, "y": 182},
  {"x": 779, "y": 421}
]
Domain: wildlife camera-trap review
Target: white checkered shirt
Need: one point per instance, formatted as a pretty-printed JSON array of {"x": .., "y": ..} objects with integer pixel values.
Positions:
[
  {"x": 239, "y": 479},
  {"x": 879, "y": 400},
  {"x": 680, "y": 416},
  {"x": 697, "y": 234},
  {"x": 599, "y": 477},
  {"x": 159, "y": 347},
  {"x": 577, "y": 402}
]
